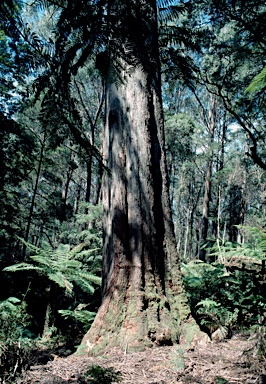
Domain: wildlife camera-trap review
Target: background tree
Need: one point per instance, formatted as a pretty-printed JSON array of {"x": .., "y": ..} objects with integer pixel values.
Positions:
[{"x": 219, "y": 53}]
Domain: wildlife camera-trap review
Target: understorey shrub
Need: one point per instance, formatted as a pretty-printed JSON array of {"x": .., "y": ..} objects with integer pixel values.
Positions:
[
  {"x": 16, "y": 345},
  {"x": 230, "y": 292}
]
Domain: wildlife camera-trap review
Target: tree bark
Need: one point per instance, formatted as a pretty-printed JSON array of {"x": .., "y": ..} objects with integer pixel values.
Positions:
[{"x": 144, "y": 302}]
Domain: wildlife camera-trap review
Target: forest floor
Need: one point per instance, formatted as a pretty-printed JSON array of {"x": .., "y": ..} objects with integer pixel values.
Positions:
[{"x": 232, "y": 361}]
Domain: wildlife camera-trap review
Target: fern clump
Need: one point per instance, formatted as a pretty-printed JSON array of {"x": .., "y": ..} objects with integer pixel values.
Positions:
[{"x": 229, "y": 293}]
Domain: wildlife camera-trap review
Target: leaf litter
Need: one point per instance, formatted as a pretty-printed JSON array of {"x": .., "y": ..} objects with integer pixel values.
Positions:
[{"x": 233, "y": 361}]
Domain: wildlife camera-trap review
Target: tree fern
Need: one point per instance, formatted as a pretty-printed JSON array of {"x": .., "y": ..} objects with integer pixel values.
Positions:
[{"x": 60, "y": 266}]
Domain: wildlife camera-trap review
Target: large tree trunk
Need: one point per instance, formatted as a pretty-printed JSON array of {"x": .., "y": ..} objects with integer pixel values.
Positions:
[{"x": 143, "y": 298}]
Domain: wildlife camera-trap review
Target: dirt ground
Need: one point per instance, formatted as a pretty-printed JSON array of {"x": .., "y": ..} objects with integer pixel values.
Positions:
[{"x": 233, "y": 361}]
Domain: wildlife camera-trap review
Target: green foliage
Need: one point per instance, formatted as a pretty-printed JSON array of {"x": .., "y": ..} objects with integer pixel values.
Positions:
[
  {"x": 68, "y": 274},
  {"x": 79, "y": 315},
  {"x": 258, "y": 83},
  {"x": 256, "y": 243},
  {"x": 13, "y": 317},
  {"x": 61, "y": 266},
  {"x": 98, "y": 375},
  {"x": 87, "y": 227},
  {"x": 213, "y": 315},
  {"x": 252, "y": 251},
  {"x": 224, "y": 294},
  {"x": 15, "y": 145},
  {"x": 16, "y": 346}
]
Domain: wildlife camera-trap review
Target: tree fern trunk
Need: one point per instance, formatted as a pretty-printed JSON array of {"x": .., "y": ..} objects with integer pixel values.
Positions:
[{"x": 49, "y": 312}]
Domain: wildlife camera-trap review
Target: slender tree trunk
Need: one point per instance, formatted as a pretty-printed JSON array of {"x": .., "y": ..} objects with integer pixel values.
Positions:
[
  {"x": 88, "y": 181},
  {"x": 77, "y": 199},
  {"x": 205, "y": 211},
  {"x": 65, "y": 190},
  {"x": 98, "y": 186},
  {"x": 144, "y": 302},
  {"x": 243, "y": 204},
  {"x": 212, "y": 123},
  {"x": 38, "y": 173},
  {"x": 220, "y": 166}
]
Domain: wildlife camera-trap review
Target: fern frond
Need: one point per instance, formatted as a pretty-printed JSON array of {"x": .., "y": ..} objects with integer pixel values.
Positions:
[
  {"x": 84, "y": 316},
  {"x": 43, "y": 260},
  {"x": 9, "y": 305},
  {"x": 83, "y": 284},
  {"x": 77, "y": 249},
  {"x": 258, "y": 83},
  {"x": 60, "y": 279},
  {"x": 208, "y": 303},
  {"x": 90, "y": 277},
  {"x": 31, "y": 247},
  {"x": 22, "y": 267},
  {"x": 66, "y": 266},
  {"x": 13, "y": 300}
]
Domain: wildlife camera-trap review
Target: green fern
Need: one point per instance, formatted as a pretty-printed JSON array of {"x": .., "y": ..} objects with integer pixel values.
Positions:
[
  {"x": 16, "y": 345},
  {"x": 208, "y": 304},
  {"x": 60, "y": 266},
  {"x": 228, "y": 293},
  {"x": 251, "y": 253},
  {"x": 8, "y": 307},
  {"x": 79, "y": 314}
]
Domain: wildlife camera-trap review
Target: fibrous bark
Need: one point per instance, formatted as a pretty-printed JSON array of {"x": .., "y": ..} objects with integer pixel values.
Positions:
[{"x": 144, "y": 303}]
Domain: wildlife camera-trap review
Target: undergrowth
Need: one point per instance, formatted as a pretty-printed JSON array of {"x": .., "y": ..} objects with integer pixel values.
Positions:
[
  {"x": 229, "y": 293},
  {"x": 16, "y": 345}
]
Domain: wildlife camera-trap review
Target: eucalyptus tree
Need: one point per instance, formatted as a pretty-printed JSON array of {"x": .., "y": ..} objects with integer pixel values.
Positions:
[
  {"x": 140, "y": 268},
  {"x": 144, "y": 302}
]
